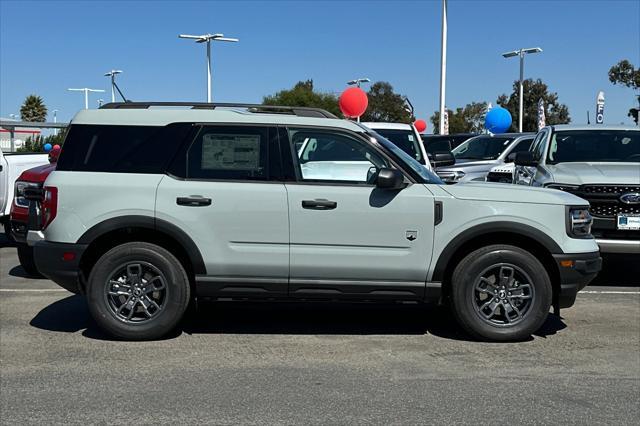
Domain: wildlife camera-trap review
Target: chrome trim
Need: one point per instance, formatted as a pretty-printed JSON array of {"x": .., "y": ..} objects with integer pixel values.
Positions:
[
  {"x": 34, "y": 236},
  {"x": 619, "y": 246}
]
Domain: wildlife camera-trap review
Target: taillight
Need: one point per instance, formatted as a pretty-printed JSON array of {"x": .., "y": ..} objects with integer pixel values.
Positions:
[{"x": 49, "y": 205}]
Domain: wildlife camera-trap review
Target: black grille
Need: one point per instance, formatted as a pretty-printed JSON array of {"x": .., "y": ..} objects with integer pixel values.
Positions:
[
  {"x": 605, "y": 199},
  {"x": 612, "y": 209},
  {"x": 608, "y": 189}
]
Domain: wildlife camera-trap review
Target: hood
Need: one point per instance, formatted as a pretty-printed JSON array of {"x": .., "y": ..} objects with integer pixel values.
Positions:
[
  {"x": 483, "y": 191},
  {"x": 595, "y": 173},
  {"x": 37, "y": 174},
  {"x": 469, "y": 166}
]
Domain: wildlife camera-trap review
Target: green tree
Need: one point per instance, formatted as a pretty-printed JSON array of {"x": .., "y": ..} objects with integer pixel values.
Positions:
[
  {"x": 386, "y": 106},
  {"x": 36, "y": 144},
  {"x": 625, "y": 74},
  {"x": 302, "y": 94},
  {"x": 33, "y": 109},
  {"x": 469, "y": 119},
  {"x": 533, "y": 90}
]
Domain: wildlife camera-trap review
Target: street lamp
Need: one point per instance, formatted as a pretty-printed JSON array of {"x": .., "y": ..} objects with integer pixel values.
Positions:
[
  {"x": 113, "y": 74},
  {"x": 206, "y": 38},
  {"x": 521, "y": 54},
  {"x": 358, "y": 81},
  {"x": 55, "y": 120},
  {"x": 86, "y": 91}
]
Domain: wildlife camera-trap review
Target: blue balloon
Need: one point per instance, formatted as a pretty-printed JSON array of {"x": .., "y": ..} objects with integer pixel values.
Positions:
[
  {"x": 498, "y": 120},
  {"x": 47, "y": 147}
]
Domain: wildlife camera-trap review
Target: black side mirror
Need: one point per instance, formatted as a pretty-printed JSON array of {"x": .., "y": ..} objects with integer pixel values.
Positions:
[
  {"x": 390, "y": 179},
  {"x": 443, "y": 159},
  {"x": 525, "y": 159},
  {"x": 511, "y": 158}
]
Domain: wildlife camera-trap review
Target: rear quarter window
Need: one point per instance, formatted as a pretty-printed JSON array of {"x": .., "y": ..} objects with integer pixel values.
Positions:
[{"x": 121, "y": 149}]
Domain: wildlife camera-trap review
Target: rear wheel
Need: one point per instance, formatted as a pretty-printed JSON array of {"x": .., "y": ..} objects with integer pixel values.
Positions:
[
  {"x": 7, "y": 231},
  {"x": 138, "y": 291},
  {"x": 27, "y": 261},
  {"x": 501, "y": 292}
]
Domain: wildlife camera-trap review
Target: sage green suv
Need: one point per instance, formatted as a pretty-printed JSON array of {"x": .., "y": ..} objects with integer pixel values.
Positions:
[{"x": 151, "y": 207}]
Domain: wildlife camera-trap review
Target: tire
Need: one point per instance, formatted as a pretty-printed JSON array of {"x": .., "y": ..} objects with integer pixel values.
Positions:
[
  {"x": 489, "y": 312},
  {"x": 7, "y": 231},
  {"x": 160, "y": 279},
  {"x": 25, "y": 256}
]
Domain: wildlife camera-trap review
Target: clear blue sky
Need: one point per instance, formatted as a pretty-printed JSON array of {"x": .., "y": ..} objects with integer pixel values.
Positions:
[{"x": 46, "y": 47}]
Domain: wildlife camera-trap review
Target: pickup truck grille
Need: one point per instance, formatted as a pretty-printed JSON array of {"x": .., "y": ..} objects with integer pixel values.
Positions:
[{"x": 605, "y": 199}]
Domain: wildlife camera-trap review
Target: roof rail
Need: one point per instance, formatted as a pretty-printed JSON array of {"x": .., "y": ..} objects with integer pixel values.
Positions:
[{"x": 255, "y": 108}]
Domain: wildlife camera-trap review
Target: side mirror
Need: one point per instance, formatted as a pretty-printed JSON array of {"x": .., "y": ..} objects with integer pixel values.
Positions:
[
  {"x": 443, "y": 159},
  {"x": 525, "y": 159},
  {"x": 390, "y": 179},
  {"x": 511, "y": 158}
]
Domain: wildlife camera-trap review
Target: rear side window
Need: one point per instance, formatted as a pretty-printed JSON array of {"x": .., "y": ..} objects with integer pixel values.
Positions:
[
  {"x": 121, "y": 149},
  {"x": 229, "y": 153}
]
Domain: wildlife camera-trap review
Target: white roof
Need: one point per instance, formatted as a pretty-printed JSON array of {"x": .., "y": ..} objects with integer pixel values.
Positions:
[
  {"x": 164, "y": 116},
  {"x": 592, "y": 127},
  {"x": 393, "y": 126}
]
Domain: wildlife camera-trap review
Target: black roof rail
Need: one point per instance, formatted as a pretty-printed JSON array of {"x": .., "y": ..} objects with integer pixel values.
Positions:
[{"x": 256, "y": 108}]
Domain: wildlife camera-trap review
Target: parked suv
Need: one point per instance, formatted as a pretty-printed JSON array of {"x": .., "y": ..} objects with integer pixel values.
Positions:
[
  {"x": 598, "y": 163},
  {"x": 149, "y": 208},
  {"x": 477, "y": 156}
]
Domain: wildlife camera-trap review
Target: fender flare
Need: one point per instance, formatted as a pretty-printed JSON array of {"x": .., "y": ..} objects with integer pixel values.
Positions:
[
  {"x": 148, "y": 222},
  {"x": 490, "y": 228}
]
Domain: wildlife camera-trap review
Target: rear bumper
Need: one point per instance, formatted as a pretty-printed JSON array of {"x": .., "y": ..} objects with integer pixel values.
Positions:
[
  {"x": 576, "y": 271},
  {"x": 619, "y": 246},
  {"x": 60, "y": 262},
  {"x": 19, "y": 231}
]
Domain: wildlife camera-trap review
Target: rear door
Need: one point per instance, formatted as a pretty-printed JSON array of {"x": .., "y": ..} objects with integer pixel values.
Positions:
[
  {"x": 223, "y": 191},
  {"x": 348, "y": 237}
]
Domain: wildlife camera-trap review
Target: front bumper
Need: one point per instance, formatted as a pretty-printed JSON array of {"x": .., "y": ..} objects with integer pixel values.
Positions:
[
  {"x": 60, "y": 262},
  {"x": 576, "y": 271},
  {"x": 618, "y": 246}
]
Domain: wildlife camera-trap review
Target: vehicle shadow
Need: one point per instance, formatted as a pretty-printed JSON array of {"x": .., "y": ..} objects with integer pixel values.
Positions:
[
  {"x": 618, "y": 270},
  {"x": 18, "y": 271},
  {"x": 71, "y": 315}
]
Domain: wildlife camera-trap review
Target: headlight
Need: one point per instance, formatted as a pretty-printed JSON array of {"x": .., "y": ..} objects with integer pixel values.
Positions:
[
  {"x": 451, "y": 177},
  {"x": 18, "y": 194},
  {"x": 579, "y": 222},
  {"x": 562, "y": 187}
]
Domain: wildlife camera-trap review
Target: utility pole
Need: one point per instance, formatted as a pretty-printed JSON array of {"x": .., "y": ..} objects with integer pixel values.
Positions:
[{"x": 86, "y": 91}]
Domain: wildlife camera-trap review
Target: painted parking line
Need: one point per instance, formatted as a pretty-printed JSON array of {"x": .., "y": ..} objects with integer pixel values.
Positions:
[{"x": 608, "y": 292}]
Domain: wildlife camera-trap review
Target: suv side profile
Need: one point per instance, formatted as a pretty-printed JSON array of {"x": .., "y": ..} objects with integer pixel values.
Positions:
[
  {"x": 150, "y": 208},
  {"x": 598, "y": 163}
]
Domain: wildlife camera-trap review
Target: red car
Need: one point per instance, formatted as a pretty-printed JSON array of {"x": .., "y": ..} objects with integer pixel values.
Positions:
[{"x": 19, "y": 216}]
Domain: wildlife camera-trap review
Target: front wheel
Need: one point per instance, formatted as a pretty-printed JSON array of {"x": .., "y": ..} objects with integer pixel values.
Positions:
[
  {"x": 501, "y": 292},
  {"x": 138, "y": 291}
]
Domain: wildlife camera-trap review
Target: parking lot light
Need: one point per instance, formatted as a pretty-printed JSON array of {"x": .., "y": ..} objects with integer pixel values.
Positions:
[{"x": 521, "y": 54}]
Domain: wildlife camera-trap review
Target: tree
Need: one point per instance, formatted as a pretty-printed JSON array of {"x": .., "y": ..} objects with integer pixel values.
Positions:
[
  {"x": 33, "y": 109},
  {"x": 302, "y": 94},
  {"x": 625, "y": 74},
  {"x": 469, "y": 119},
  {"x": 555, "y": 112},
  {"x": 36, "y": 144},
  {"x": 386, "y": 106}
]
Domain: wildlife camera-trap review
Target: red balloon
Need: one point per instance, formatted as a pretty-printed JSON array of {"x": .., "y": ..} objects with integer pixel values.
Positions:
[
  {"x": 56, "y": 146},
  {"x": 420, "y": 125},
  {"x": 353, "y": 102}
]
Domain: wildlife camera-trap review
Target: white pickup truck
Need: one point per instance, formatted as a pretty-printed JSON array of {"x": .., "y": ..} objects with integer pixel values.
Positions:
[{"x": 11, "y": 166}]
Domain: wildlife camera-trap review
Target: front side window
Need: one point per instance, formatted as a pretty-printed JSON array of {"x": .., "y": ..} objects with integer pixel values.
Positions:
[
  {"x": 594, "y": 146},
  {"x": 228, "y": 153},
  {"x": 482, "y": 148},
  {"x": 538, "y": 145},
  {"x": 334, "y": 157},
  {"x": 406, "y": 140},
  {"x": 523, "y": 145}
]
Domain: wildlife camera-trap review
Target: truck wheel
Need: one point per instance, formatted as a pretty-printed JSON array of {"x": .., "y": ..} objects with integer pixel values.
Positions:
[
  {"x": 25, "y": 256},
  {"x": 138, "y": 291},
  {"x": 7, "y": 231},
  {"x": 501, "y": 292}
]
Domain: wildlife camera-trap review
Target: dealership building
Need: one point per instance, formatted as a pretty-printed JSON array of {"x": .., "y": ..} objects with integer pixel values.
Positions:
[{"x": 20, "y": 134}]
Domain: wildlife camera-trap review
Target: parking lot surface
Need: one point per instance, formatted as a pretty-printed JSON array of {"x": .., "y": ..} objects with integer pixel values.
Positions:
[{"x": 318, "y": 363}]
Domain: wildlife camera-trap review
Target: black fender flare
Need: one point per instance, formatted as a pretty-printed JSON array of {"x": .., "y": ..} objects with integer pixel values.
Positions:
[
  {"x": 148, "y": 222},
  {"x": 491, "y": 228}
]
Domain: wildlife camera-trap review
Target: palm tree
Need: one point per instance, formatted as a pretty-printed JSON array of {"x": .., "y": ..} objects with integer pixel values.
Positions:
[{"x": 33, "y": 109}]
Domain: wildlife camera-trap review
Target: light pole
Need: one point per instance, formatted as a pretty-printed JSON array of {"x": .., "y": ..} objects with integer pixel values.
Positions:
[
  {"x": 55, "y": 120},
  {"x": 443, "y": 66},
  {"x": 206, "y": 38},
  {"x": 86, "y": 91},
  {"x": 113, "y": 74},
  {"x": 521, "y": 54},
  {"x": 357, "y": 82}
]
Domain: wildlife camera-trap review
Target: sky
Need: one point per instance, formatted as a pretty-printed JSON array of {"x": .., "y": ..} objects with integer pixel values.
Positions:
[{"x": 49, "y": 46}]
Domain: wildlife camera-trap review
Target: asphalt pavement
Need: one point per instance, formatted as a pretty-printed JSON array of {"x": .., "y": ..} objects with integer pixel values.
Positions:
[{"x": 284, "y": 363}]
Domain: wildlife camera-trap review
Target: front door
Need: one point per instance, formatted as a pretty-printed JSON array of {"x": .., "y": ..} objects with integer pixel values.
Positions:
[{"x": 348, "y": 237}]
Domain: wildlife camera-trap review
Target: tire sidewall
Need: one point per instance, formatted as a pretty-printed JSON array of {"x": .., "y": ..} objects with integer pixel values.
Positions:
[
  {"x": 176, "y": 299},
  {"x": 466, "y": 277}
]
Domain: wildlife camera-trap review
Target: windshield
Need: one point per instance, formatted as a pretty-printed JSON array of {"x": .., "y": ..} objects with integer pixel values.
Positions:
[
  {"x": 419, "y": 169},
  {"x": 594, "y": 146},
  {"x": 406, "y": 140},
  {"x": 483, "y": 147}
]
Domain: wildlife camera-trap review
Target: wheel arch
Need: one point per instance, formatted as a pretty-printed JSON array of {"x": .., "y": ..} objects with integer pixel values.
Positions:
[
  {"x": 112, "y": 232},
  {"x": 520, "y": 235}
]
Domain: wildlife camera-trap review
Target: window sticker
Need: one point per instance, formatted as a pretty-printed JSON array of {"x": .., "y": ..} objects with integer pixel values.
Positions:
[{"x": 230, "y": 152}]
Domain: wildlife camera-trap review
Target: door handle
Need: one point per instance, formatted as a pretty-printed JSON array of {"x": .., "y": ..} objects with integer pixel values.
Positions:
[
  {"x": 319, "y": 204},
  {"x": 193, "y": 201}
]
